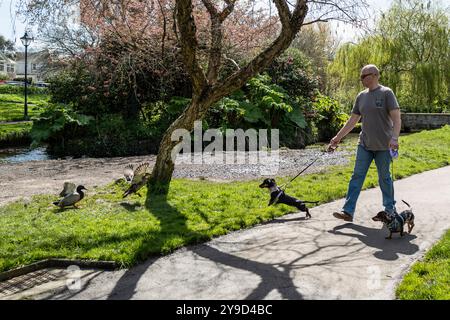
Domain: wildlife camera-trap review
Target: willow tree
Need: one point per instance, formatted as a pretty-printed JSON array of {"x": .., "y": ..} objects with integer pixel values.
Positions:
[
  {"x": 411, "y": 45},
  {"x": 416, "y": 37}
]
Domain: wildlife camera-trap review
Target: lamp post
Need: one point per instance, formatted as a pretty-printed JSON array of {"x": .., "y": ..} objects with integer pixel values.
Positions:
[{"x": 26, "y": 40}]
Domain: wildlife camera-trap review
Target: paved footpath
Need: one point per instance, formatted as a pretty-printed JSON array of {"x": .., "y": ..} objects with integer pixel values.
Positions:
[{"x": 287, "y": 258}]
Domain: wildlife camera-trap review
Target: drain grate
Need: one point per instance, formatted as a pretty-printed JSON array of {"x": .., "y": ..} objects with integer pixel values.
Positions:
[{"x": 30, "y": 280}]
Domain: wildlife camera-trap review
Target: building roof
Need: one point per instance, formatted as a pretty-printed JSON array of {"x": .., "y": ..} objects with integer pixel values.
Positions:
[
  {"x": 43, "y": 54},
  {"x": 5, "y": 59}
]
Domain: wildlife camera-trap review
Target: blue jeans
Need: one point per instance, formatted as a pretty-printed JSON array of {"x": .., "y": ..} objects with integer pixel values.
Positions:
[{"x": 364, "y": 158}]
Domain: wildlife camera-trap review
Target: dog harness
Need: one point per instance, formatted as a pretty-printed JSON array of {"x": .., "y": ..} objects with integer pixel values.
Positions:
[
  {"x": 280, "y": 192},
  {"x": 397, "y": 222}
]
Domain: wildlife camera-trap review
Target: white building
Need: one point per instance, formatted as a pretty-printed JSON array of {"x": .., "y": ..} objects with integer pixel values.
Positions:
[
  {"x": 7, "y": 66},
  {"x": 36, "y": 62}
]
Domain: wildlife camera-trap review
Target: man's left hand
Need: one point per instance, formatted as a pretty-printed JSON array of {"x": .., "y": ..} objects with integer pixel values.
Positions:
[{"x": 393, "y": 144}]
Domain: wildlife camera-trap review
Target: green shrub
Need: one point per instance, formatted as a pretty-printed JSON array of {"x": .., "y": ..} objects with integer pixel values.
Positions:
[
  {"x": 57, "y": 123},
  {"x": 293, "y": 72},
  {"x": 161, "y": 114},
  {"x": 262, "y": 104},
  {"x": 69, "y": 133},
  {"x": 114, "y": 85},
  {"x": 9, "y": 89},
  {"x": 114, "y": 135},
  {"x": 329, "y": 117},
  {"x": 75, "y": 87},
  {"x": 148, "y": 101},
  {"x": 441, "y": 105}
]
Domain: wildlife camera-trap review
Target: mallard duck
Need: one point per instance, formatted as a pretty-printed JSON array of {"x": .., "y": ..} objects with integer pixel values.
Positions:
[
  {"x": 137, "y": 178},
  {"x": 70, "y": 195}
]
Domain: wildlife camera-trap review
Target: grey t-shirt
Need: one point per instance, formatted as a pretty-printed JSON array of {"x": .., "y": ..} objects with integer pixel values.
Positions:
[{"x": 377, "y": 126}]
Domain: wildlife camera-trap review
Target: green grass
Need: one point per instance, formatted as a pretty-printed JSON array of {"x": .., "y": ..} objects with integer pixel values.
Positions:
[
  {"x": 127, "y": 231},
  {"x": 430, "y": 278},
  {"x": 13, "y": 133},
  {"x": 12, "y": 106},
  {"x": 12, "y": 109},
  {"x": 14, "y": 128}
]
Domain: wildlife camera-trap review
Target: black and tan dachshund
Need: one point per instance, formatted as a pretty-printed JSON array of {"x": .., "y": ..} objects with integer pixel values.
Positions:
[
  {"x": 278, "y": 196},
  {"x": 395, "y": 222}
]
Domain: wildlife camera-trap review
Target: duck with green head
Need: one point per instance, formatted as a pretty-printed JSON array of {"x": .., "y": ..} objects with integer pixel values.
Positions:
[{"x": 71, "y": 195}]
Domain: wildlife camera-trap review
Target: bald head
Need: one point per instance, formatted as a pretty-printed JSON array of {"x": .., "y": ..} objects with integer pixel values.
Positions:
[
  {"x": 370, "y": 68},
  {"x": 369, "y": 76}
]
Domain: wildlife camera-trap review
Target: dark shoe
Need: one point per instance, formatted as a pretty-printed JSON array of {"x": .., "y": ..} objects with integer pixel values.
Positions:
[{"x": 343, "y": 215}]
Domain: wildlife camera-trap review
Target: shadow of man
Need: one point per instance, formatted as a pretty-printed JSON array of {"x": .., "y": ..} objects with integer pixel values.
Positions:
[{"x": 388, "y": 249}]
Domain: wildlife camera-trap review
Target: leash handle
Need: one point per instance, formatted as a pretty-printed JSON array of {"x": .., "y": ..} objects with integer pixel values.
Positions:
[
  {"x": 331, "y": 148},
  {"x": 394, "y": 153}
]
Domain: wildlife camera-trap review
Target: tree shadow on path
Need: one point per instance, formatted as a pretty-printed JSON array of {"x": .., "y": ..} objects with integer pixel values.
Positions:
[{"x": 375, "y": 238}]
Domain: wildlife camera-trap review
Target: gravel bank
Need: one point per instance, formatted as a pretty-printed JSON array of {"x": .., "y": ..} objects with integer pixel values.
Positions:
[{"x": 43, "y": 177}]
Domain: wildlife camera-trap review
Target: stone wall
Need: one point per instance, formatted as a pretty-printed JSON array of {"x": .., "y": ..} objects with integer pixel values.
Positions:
[{"x": 420, "y": 121}]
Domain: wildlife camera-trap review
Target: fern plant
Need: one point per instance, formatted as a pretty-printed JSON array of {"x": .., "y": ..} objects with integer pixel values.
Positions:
[
  {"x": 260, "y": 101},
  {"x": 56, "y": 122}
]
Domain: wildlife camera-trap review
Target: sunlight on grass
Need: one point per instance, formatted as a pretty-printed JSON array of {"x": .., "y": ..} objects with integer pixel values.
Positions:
[
  {"x": 107, "y": 227},
  {"x": 429, "y": 279},
  {"x": 12, "y": 106},
  {"x": 15, "y": 133}
]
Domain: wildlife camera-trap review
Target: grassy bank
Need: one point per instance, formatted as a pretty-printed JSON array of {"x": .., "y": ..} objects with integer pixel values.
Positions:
[
  {"x": 12, "y": 106},
  {"x": 12, "y": 109},
  {"x": 12, "y": 134},
  {"x": 430, "y": 278},
  {"x": 127, "y": 231}
]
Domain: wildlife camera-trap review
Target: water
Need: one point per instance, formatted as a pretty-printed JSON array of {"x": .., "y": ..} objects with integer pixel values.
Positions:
[{"x": 17, "y": 155}]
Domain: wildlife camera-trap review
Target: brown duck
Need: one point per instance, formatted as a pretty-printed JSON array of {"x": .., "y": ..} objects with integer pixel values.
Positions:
[{"x": 137, "y": 178}]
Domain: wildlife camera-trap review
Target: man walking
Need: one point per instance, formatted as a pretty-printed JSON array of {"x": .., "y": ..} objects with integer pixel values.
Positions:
[{"x": 380, "y": 114}]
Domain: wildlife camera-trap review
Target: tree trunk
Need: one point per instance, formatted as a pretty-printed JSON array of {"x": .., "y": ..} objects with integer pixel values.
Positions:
[
  {"x": 164, "y": 166},
  {"x": 206, "y": 89}
]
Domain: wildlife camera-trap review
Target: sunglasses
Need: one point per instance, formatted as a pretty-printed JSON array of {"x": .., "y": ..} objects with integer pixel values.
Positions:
[{"x": 365, "y": 75}]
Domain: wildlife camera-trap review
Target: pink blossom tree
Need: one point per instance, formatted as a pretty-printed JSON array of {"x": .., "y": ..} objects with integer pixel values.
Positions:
[{"x": 207, "y": 34}]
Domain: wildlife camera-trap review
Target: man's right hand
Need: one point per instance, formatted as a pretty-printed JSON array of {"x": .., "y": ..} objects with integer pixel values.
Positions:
[{"x": 333, "y": 144}]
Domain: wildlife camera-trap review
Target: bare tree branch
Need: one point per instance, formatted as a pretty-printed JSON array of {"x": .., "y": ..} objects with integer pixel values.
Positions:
[
  {"x": 263, "y": 60},
  {"x": 283, "y": 12},
  {"x": 189, "y": 44},
  {"x": 227, "y": 10},
  {"x": 164, "y": 27},
  {"x": 232, "y": 61},
  {"x": 210, "y": 7},
  {"x": 215, "y": 51},
  {"x": 315, "y": 21}
]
